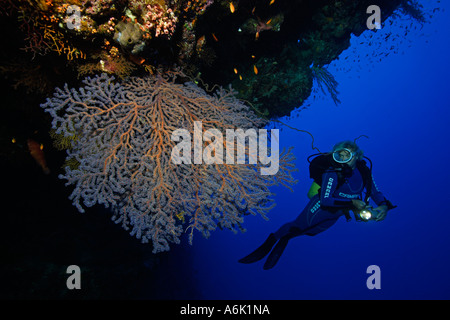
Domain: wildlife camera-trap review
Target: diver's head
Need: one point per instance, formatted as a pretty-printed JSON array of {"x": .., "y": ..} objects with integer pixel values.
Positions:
[{"x": 347, "y": 152}]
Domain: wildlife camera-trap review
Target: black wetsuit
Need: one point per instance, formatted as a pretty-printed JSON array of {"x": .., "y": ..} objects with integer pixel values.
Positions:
[{"x": 324, "y": 209}]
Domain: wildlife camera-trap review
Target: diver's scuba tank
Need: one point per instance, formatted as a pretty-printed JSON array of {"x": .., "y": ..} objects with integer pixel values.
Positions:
[{"x": 313, "y": 190}]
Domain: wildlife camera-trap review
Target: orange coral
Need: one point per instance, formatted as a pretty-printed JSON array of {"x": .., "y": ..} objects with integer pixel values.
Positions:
[
  {"x": 112, "y": 64},
  {"x": 125, "y": 144}
]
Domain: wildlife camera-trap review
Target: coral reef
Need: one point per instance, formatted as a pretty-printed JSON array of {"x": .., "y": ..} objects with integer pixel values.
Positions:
[
  {"x": 208, "y": 39},
  {"x": 309, "y": 33},
  {"x": 124, "y": 147}
]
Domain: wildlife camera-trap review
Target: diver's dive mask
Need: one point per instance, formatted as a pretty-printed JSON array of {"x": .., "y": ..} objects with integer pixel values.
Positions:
[{"x": 343, "y": 155}]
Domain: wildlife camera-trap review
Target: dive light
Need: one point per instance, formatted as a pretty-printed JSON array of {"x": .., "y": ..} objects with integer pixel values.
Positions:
[{"x": 367, "y": 214}]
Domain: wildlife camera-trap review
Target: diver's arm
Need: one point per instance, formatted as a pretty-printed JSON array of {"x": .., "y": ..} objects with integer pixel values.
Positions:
[
  {"x": 379, "y": 198},
  {"x": 329, "y": 185},
  {"x": 383, "y": 204}
]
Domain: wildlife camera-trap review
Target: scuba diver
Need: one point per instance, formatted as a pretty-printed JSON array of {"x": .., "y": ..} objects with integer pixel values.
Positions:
[{"x": 340, "y": 178}]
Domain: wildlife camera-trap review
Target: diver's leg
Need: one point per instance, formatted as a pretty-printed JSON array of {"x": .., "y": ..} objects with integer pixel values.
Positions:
[
  {"x": 311, "y": 221},
  {"x": 276, "y": 253},
  {"x": 289, "y": 231},
  {"x": 261, "y": 251},
  {"x": 285, "y": 230},
  {"x": 300, "y": 222}
]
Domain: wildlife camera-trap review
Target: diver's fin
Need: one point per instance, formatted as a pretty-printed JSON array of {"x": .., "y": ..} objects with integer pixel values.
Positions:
[
  {"x": 276, "y": 253},
  {"x": 261, "y": 252}
]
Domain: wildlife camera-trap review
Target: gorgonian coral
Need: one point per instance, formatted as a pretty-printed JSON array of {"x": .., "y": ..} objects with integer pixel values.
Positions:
[{"x": 124, "y": 145}]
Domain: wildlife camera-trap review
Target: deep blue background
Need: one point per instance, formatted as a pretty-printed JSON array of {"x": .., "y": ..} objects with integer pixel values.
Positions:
[{"x": 403, "y": 104}]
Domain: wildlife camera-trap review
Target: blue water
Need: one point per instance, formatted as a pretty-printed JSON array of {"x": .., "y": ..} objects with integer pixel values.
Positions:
[{"x": 403, "y": 105}]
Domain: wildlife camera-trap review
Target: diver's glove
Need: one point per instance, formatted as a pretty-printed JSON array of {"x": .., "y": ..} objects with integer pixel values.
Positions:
[
  {"x": 388, "y": 204},
  {"x": 358, "y": 204}
]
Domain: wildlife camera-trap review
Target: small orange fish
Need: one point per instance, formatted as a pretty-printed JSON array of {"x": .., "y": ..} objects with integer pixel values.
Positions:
[
  {"x": 255, "y": 69},
  {"x": 214, "y": 36},
  {"x": 200, "y": 43},
  {"x": 257, "y": 35},
  {"x": 271, "y": 2},
  {"x": 37, "y": 154},
  {"x": 136, "y": 59},
  {"x": 232, "y": 8},
  {"x": 235, "y": 71},
  {"x": 240, "y": 77}
]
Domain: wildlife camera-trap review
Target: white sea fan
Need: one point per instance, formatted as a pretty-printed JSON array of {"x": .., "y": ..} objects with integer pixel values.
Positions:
[{"x": 124, "y": 149}]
